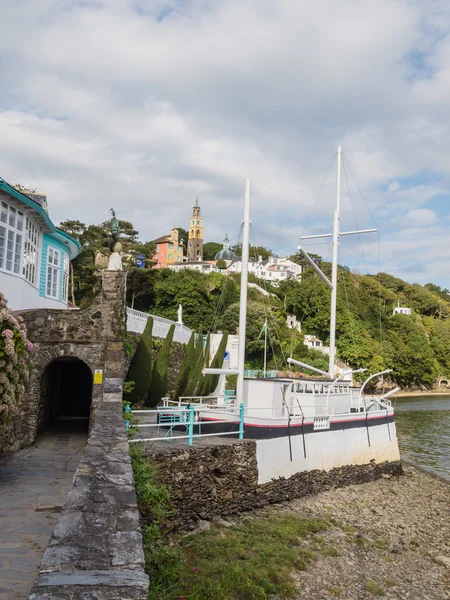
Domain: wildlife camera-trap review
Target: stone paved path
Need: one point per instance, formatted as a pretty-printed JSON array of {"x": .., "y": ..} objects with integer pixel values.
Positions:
[{"x": 34, "y": 484}]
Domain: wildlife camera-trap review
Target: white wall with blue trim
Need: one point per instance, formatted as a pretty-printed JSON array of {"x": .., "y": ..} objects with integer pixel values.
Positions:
[{"x": 49, "y": 240}]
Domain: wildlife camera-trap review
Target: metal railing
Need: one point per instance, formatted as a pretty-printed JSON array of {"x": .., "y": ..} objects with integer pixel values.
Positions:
[
  {"x": 137, "y": 320},
  {"x": 168, "y": 418}
]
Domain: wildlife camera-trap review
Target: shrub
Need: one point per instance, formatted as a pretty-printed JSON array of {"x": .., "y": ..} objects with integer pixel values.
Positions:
[
  {"x": 185, "y": 368},
  {"x": 140, "y": 370},
  {"x": 197, "y": 367},
  {"x": 160, "y": 376},
  {"x": 15, "y": 351}
]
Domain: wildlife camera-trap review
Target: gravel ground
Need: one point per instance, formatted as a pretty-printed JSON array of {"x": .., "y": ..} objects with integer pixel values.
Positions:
[{"x": 390, "y": 538}]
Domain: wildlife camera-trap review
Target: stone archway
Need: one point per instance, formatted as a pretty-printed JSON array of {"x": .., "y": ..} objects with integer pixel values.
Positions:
[
  {"x": 443, "y": 382},
  {"x": 65, "y": 393}
]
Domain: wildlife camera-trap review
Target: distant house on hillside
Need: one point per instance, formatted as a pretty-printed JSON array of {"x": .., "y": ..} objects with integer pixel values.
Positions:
[
  {"x": 34, "y": 254},
  {"x": 401, "y": 310},
  {"x": 274, "y": 269}
]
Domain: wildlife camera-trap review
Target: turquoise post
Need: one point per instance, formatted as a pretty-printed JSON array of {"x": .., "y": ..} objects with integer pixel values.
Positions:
[
  {"x": 241, "y": 421},
  {"x": 127, "y": 412},
  {"x": 191, "y": 424}
]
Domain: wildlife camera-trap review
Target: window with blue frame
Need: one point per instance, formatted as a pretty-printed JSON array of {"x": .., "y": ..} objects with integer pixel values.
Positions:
[
  {"x": 65, "y": 289},
  {"x": 52, "y": 283}
]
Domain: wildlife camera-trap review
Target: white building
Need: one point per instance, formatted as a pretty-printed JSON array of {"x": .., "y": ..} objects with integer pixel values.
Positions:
[
  {"x": 204, "y": 266},
  {"x": 273, "y": 269},
  {"x": 401, "y": 310},
  {"x": 34, "y": 254}
]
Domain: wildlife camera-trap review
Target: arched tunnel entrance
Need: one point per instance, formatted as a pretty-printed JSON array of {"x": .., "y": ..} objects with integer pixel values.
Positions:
[{"x": 66, "y": 394}]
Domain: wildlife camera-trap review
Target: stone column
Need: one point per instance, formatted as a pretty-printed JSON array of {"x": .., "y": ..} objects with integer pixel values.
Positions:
[{"x": 113, "y": 328}]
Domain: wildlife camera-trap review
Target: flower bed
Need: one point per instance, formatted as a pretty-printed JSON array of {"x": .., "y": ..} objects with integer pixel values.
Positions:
[{"x": 15, "y": 351}]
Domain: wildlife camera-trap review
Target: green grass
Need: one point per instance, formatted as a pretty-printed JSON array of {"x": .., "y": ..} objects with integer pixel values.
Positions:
[
  {"x": 251, "y": 561},
  {"x": 335, "y": 590},
  {"x": 247, "y": 562},
  {"x": 374, "y": 588}
]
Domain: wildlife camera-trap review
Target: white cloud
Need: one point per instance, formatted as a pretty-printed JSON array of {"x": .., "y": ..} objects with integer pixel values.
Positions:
[{"x": 103, "y": 104}]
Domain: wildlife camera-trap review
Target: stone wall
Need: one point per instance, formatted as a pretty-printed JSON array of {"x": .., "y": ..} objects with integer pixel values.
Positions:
[
  {"x": 221, "y": 480},
  {"x": 95, "y": 552},
  {"x": 94, "y": 335}
]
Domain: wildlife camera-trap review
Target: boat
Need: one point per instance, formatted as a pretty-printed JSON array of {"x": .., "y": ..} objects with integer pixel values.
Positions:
[{"x": 308, "y": 423}]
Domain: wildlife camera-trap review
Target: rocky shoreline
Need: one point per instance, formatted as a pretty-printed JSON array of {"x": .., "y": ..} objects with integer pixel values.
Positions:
[{"x": 388, "y": 538}]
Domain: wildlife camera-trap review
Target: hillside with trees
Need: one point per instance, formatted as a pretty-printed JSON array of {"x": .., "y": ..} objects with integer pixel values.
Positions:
[{"x": 415, "y": 347}]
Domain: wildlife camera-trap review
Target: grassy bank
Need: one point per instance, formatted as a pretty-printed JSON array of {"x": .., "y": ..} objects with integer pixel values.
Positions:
[{"x": 250, "y": 561}]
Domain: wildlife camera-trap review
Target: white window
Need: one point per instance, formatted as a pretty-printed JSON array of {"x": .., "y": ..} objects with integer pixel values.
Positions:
[
  {"x": 11, "y": 238},
  {"x": 65, "y": 289},
  {"x": 52, "y": 283},
  {"x": 31, "y": 252}
]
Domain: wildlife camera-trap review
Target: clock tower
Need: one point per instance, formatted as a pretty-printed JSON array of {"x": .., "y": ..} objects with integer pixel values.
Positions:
[{"x": 195, "y": 241}]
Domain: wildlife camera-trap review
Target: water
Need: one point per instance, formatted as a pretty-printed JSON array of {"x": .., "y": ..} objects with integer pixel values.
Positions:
[{"x": 423, "y": 430}]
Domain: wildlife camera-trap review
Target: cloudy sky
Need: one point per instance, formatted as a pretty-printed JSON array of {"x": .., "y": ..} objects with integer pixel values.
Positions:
[{"x": 144, "y": 104}]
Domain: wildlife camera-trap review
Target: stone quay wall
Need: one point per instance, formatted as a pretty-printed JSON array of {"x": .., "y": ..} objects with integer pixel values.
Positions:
[
  {"x": 221, "y": 480},
  {"x": 95, "y": 552}
]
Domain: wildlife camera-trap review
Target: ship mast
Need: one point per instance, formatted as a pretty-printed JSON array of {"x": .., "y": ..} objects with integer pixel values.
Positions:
[
  {"x": 336, "y": 235},
  {"x": 244, "y": 292}
]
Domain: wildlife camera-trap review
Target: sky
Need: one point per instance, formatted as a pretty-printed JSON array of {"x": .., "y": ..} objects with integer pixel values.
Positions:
[{"x": 145, "y": 105}]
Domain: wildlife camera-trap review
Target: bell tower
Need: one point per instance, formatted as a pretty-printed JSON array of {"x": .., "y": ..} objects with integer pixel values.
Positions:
[{"x": 195, "y": 241}]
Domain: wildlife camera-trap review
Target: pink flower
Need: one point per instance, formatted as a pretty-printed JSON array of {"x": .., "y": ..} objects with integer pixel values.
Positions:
[
  {"x": 8, "y": 333},
  {"x": 194, "y": 570},
  {"x": 29, "y": 345}
]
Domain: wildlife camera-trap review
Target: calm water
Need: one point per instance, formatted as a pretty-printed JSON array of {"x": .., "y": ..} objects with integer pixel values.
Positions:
[{"x": 423, "y": 430}]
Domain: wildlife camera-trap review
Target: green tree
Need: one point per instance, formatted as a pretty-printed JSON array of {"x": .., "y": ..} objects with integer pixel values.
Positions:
[
  {"x": 210, "y": 249},
  {"x": 221, "y": 264},
  {"x": 217, "y": 363},
  {"x": 140, "y": 370},
  {"x": 160, "y": 375},
  {"x": 186, "y": 368},
  {"x": 196, "y": 371}
]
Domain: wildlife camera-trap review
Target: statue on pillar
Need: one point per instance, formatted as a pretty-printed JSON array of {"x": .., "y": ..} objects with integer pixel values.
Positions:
[
  {"x": 115, "y": 259},
  {"x": 180, "y": 314}
]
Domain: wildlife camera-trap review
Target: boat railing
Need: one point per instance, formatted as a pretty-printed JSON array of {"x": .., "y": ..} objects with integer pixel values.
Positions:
[
  {"x": 213, "y": 402},
  {"x": 303, "y": 411},
  {"x": 172, "y": 420}
]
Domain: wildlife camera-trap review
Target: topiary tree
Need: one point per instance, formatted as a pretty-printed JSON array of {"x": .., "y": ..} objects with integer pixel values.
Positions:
[
  {"x": 221, "y": 264},
  {"x": 212, "y": 381},
  {"x": 185, "y": 368},
  {"x": 140, "y": 371},
  {"x": 203, "y": 382},
  {"x": 160, "y": 375},
  {"x": 196, "y": 372}
]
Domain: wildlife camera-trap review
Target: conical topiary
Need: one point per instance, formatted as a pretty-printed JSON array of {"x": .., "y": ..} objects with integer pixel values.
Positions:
[
  {"x": 160, "y": 375},
  {"x": 216, "y": 363},
  {"x": 140, "y": 370},
  {"x": 196, "y": 371},
  {"x": 185, "y": 368},
  {"x": 202, "y": 389}
]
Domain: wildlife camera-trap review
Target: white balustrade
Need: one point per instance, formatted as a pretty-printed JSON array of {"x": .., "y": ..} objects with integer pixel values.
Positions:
[{"x": 136, "y": 321}]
